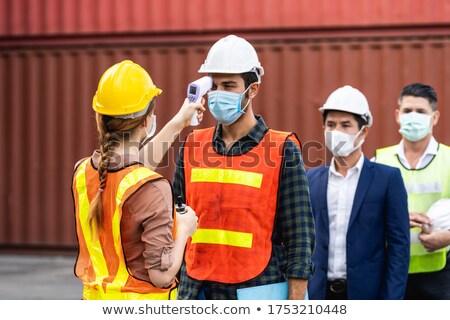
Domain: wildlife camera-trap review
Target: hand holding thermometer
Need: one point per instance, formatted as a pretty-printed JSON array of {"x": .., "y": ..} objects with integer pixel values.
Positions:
[
  {"x": 180, "y": 207},
  {"x": 195, "y": 91}
]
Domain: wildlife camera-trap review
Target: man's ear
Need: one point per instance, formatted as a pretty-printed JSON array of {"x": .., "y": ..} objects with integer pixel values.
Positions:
[
  {"x": 253, "y": 91},
  {"x": 397, "y": 116},
  {"x": 365, "y": 131},
  {"x": 436, "y": 117},
  {"x": 362, "y": 135}
]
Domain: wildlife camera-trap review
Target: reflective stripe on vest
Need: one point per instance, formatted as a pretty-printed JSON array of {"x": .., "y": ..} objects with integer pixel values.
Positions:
[
  {"x": 235, "y": 198},
  {"x": 425, "y": 186},
  {"x": 101, "y": 263},
  {"x": 225, "y": 237},
  {"x": 244, "y": 178}
]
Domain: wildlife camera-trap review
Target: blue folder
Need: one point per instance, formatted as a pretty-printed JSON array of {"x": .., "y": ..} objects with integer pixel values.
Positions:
[{"x": 276, "y": 291}]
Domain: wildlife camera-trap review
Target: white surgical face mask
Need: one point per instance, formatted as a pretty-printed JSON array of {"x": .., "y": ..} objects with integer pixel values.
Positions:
[
  {"x": 415, "y": 126},
  {"x": 342, "y": 144},
  {"x": 151, "y": 132}
]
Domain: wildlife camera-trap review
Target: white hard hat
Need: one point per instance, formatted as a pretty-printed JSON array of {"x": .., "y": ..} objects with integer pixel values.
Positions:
[
  {"x": 232, "y": 54},
  {"x": 439, "y": 213},
  {"x": 350, "y": 100}
]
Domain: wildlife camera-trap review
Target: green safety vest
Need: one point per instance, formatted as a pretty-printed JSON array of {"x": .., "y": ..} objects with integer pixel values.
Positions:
[{"x": 424, "y": 186}]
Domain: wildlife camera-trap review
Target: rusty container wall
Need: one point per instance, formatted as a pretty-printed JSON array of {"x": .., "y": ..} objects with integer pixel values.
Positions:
[
  {"x": 68, "y": 17},
  {"x": 47, "y": 122},
  {"x": 300, "y": 76}
]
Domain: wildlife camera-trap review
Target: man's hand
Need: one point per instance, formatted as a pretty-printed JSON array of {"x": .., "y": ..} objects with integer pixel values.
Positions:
[
  {"x": 418, "y": 219},
  {"x": 436, "y": 239},
  {"x": 297, "y": 289}
]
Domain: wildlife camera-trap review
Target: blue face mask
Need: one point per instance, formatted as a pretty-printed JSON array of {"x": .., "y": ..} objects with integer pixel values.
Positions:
[{"x": 225, "y": 106}]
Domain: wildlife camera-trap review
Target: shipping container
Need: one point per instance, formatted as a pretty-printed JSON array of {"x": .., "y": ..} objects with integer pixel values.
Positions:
[
  {"x": 48, "y": 123},
  {"x": 33, "y": 18},
  {"x": 53, "y": 52}
]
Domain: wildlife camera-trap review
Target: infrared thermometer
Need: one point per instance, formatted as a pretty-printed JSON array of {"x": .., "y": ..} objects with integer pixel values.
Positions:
[
  {"x": 195, "y": 91},
  {"x": 180, "y": 207}
]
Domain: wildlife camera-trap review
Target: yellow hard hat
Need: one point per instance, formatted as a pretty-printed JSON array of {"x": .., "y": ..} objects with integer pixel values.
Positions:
[{"x": 124, "y": 91}]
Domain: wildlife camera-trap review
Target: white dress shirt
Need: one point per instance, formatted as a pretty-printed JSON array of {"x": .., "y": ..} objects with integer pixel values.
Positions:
[
  {"x": 340, "y": 195},
  {"x": 426, "y": 157}
]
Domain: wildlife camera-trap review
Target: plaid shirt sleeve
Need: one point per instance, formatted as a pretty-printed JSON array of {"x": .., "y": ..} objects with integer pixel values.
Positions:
[{"x": 295, "y": 215}]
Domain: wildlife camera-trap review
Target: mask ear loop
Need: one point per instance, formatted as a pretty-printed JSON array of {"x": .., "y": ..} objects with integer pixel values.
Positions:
[
  {"x": 249, "y": 99},
  {"x": 357, "y": 135},
  {"x": 152, "y": 131},
  {"x": 360, "y": 130},
  {"x": 431, "y": 121}
]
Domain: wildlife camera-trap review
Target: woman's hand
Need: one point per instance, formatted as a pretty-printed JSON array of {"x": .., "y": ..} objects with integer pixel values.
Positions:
[
  {"x": 186, "y": 226},
  {"x": 187, "y": 222},
  {"x": 187, "y": 110},
  {"x": 151, "y": 154}
]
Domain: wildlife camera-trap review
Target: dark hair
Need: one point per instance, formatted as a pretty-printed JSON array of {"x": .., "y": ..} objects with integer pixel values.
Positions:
[
  {"x": 249, "y": 78},
  {"x": 420, "y": 90},
  {"x": 361, "y": 122},
  {"x": 111, "y": 131}
]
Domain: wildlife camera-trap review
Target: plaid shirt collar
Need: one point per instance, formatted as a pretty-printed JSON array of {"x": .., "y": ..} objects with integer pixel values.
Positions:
[{"x": 256, "y": 134}]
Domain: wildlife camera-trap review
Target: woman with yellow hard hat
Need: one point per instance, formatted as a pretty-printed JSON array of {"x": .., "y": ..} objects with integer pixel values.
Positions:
[{"x": 131, "y": 244}]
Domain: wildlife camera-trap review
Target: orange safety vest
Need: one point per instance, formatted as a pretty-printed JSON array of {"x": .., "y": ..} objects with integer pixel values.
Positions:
[
  {"x": 101, "y": 264},
  {"x": 235, "y": 199}
]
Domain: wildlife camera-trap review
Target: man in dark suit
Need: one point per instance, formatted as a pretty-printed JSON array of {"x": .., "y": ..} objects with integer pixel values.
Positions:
[{"x": 360, "y": 210}]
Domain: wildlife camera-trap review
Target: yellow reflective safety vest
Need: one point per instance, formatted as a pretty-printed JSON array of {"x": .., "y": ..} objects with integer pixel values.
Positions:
[
  {"x": 425, "y": 186},
  {"x": 101, "y": 264}
]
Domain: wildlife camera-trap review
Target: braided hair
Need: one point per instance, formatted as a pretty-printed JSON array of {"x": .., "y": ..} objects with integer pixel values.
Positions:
[{"x": 112, "y": 131}]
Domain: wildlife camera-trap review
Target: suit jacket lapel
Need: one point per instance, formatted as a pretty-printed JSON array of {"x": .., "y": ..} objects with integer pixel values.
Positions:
[
  {"x": 322, "y": 194},
  {"x": 365, "y": 179}
]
